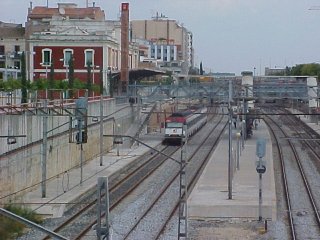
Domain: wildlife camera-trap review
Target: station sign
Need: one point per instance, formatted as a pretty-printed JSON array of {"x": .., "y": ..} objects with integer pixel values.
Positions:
[{"x": 261, "y": 169}]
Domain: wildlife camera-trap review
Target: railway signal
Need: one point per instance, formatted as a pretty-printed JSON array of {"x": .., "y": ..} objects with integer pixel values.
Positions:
[
  {"x": 261, "y": 168},
  {"x": 102, "y": 229}
]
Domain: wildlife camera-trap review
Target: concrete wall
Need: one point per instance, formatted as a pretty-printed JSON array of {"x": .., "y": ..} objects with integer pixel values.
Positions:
[{"x": 20, "y": 164}]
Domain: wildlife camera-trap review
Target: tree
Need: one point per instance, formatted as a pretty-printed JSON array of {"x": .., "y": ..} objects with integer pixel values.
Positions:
[
  {"x": 201, "y": 69},
  {"x": 71, "y": 76},
  {"x": 51, "y": 81},
  {"x": 89, "y": 83},
  {"x": 308, "y": 69},
  {"x": 24, "y": 93}
]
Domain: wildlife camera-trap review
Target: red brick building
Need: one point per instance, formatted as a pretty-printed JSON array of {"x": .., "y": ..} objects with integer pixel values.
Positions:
[{"x": 55, "y": 34}]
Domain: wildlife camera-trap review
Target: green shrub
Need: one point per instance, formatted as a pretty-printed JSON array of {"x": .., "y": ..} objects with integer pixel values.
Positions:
[{"x": 9, "y": 228}]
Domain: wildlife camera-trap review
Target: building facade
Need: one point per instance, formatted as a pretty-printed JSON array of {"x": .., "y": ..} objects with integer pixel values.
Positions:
[
  {"x": 167, "y": 40},
  {"x": 54, "y": 35},
  {"x": 12, "y": 43}
]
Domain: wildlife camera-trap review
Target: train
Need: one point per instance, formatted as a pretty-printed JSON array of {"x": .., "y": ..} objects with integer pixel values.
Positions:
[{"x": 182, "y": 124}]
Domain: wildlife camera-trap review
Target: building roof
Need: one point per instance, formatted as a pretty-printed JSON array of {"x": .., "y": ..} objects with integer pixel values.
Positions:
[
  {"x": 12, "y": 32},
  {"x": 71, "y": 12}
]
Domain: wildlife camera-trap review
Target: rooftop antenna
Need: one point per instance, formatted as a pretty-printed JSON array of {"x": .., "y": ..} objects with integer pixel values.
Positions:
[{"x": 47, "y": 3}]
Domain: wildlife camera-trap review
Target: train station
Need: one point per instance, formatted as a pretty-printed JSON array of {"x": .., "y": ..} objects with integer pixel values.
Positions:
[{"x": 110, "y": 130}]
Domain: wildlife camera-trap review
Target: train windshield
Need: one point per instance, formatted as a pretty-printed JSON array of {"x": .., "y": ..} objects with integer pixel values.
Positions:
[{"x": 174, "y": 125}]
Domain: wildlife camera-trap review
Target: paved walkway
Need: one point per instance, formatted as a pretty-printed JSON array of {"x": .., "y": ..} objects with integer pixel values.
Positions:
[
  {"x": 64, "y": 191},
  {"x": 209, "y": 199}
]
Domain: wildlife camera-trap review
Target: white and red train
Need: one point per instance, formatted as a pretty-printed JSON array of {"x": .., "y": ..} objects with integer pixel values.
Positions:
[{"x": 183, "y": 124}]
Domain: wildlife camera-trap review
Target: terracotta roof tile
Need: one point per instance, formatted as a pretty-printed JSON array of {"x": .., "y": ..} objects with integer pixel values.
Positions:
[{"x": 72, "y": 13}]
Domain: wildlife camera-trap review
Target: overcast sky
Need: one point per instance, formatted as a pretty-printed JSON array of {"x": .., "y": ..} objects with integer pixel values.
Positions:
[{"x": 229, "y": 35}]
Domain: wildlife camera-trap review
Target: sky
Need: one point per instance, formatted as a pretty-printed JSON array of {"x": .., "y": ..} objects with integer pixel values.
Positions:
[{"x": 228, "y": 35}]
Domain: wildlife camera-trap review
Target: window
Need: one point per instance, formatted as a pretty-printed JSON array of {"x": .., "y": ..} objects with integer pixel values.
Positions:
[
  {"x": 88, "y": 57},
  {"x": 174, "y": 125},
  {"x": 1, "y": 50},
  {"x": 2, "y": 64},
  {"x": 67, "y": 54},
  {"x": 17, "y": 64},
  {"x": 46, "y": 57},
  {"x": 17, "y": 48}
]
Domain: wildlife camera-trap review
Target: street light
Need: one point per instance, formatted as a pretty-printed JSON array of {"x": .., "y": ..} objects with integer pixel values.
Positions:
[{"x": 109, "y": 78}]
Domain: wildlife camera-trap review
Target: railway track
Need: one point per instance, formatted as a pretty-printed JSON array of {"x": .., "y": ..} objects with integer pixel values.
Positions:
[
  {"x": 194, "y": 176},
  {"x": 148, "y": 207},
  {"x": 302, "y": 204},
  {"x": 192, "y": 171},
  {"x": 119, "y": 189}
]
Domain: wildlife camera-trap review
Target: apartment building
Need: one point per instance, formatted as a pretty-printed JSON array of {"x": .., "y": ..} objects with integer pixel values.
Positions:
[
  {"x": 12, "y": 43},
  {"x": 166, "y": 40}
]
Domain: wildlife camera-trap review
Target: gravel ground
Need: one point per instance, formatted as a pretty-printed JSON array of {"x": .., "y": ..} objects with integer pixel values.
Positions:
[
  {"x": 215, "y": 229},
  {"x": 228, "y": 229}
]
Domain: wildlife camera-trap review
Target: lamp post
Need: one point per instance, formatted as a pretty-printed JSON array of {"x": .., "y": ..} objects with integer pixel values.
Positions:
[
  {"x": 238, "y": 149},
  {"x": 108, "y": 83},
  {"x": 243, "y": 132},
  {"x": 101, "y": 117},
  {"x": 118, "y": 131}
]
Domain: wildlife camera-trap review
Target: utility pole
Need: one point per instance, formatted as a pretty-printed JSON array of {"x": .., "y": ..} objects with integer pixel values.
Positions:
[
  {"x": 81, "y": 136},
  {"x": 230, "y": 143},
  {"x": 101, "y": 116},
  {"x": 44, "y": 150},
  {"x": 183, "y": 216},
  {"x": 103, "y": 231}
]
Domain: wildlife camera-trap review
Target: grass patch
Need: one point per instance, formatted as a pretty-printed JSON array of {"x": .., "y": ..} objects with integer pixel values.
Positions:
[{"x": 9, "y": 228}]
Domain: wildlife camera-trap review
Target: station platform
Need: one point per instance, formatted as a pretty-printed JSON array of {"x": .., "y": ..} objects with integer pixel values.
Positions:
[
  {"x": 65, "y": 191},
  {"x": 210, "y": 196}
]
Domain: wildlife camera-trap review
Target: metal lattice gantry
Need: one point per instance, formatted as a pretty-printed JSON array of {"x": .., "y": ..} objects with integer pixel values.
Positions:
[
  {"x": 264, "y": 87},
  {"x": 280, "y": 87}
]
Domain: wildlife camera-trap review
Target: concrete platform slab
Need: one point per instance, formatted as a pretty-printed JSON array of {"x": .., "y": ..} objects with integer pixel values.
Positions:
[
  {"x": 209, "y": 198},
  {"x": 63, "y": 191}
]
